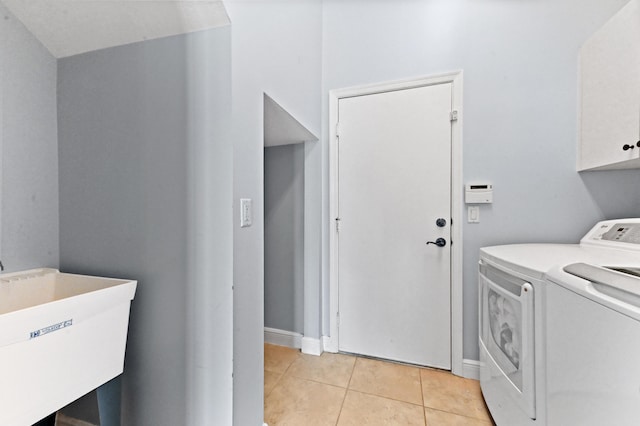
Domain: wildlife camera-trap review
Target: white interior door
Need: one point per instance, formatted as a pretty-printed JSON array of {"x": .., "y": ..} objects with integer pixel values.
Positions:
[{"x": 394, "y": 182}]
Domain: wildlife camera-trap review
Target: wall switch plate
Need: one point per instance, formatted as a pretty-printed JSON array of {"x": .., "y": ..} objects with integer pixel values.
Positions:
[
  {"x": 246, "y": 213},
  {"x": 473, "y": 214}
]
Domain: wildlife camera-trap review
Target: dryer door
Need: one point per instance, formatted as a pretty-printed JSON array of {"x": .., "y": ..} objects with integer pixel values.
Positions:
[{"x": 506, "y": 336}]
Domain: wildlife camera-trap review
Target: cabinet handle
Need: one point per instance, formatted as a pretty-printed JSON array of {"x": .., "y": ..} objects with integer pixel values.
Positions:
[{"x": 627, "y": 147}]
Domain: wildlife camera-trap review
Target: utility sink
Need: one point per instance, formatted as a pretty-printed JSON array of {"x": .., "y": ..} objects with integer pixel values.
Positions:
[{"x": 61, "y": 336}]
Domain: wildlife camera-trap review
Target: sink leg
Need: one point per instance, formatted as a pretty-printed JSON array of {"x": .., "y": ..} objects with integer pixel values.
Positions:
[
  {"x": 109, "y": 402},
  {"x": 47, "y": 421}
]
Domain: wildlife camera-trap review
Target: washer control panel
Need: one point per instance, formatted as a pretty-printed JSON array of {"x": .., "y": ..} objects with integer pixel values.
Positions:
[
  {"x": 615, "y": 231},
  {"x": 624, "y": 233}
]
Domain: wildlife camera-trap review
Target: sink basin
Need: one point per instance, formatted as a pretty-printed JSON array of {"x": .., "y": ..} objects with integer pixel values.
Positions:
[{"x": 61, "y": 336}]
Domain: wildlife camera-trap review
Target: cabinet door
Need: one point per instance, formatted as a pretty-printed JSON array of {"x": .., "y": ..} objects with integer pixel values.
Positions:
[{"x": 610, "y": 93}]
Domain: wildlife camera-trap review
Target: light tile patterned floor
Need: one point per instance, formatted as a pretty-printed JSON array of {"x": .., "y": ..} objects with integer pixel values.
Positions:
[{"x": 344, "y": 390}]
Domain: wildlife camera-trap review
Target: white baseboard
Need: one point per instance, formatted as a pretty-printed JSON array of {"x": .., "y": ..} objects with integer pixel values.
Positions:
[
  {"x": 290, "y": 339},
  {"x": 328, "y": 345},
  {"x": 282, "y": 338},
  {"x": 311, "y": 346},
  {"x": 471, "y": 369}
]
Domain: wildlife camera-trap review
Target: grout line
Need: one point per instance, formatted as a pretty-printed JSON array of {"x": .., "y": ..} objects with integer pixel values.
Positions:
[
  {"x": 264, "y": 397},
  {"x": 461, "y": 415},
  {"x": 275, "y": 385},
  {"x": 386, "y": 397},
  {"x": 349, "y": 383},
  {"x": 424, "y": 410},
  {"x": 281, "y": 373},
  {"x": 420, "y": 404},
  {"x": 352, "y": 371},
  {"x": 317, "y": 381},
  {"x": 347, "y": 389},
  {"x": 304, "y": 379},
  {"x": 289, "y": 366},
  {"x": 395, "y": 362},
  {"x": 342, "y": 406}
]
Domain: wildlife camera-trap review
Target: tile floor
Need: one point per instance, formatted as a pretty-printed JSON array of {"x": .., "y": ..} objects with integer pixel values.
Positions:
[
  {"x": 62, "y": 420},
  {"x": 336, "y": 389}
]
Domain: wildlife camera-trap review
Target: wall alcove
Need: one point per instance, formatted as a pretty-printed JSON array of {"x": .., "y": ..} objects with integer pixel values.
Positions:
[{"x": 284, "y": 223}]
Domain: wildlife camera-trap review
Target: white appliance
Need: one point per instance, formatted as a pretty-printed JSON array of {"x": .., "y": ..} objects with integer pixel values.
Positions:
[
  {"x": 513, "y": 325},
  {"x": 593, "y": 334}
]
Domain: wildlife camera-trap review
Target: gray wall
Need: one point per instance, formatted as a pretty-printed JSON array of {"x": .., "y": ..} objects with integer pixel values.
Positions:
[
  {"x": 284, "y": 237},
  {"x": 276, "y": 48},
  {"x": 520, "y": 102},
  {"x": 28, "y": 146},
  {"x": 146, "y": 181}
]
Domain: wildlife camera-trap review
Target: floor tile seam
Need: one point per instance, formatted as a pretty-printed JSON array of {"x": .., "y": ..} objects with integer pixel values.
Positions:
[
  {"x": 458, "y": 414},
  {"x": 295, "y": 376},
  {"x": 353, "y": 370},
  {"x": 292, "y": 374},
  {"x": 344, "y": 398},
  {"x": 420, "y": 367},
  {"x": 275, "y": 385},
  {"x": 346, "y": 391},
  {"x": 274, "y": 371},
  {"x": 385, "y": 397},
  {"x": 314, "y": 381},
  {"x": 306, "y": 380},
  {"x": 408, "y": 376},
  {"x": 394, "y": 362},
  {"x": 417, "y": 369},
  {"x": 285, "y": 360},
  {"x": 424, "y": 412},
  {"x": 290, "y": 364},
  {"x": 421, "y": 404},
  {"x": 462, "y": 381}
]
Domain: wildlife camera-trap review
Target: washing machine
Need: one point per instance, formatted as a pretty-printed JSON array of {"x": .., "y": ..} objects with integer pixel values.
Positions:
[
  {"x": 593, "y": 334},
  {"x": 513, "y": 292}
]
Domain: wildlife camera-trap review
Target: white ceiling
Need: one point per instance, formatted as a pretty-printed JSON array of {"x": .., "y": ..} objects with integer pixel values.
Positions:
[
  {"x": 71, "y": 27},
  {"x": 280, "y": 128}
]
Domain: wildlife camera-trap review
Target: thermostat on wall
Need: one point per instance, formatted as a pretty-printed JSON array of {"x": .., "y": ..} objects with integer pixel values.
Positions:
[{"x": 478, "y": 193}]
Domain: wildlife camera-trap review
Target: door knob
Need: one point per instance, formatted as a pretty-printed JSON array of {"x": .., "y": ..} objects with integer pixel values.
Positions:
[
  {"x": 440, "y": 242},
  {"x": 441, "y": 222}
]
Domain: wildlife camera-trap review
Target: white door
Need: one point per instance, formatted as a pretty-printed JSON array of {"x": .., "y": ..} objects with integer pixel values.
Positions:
[{"x": 394, "y": 182}]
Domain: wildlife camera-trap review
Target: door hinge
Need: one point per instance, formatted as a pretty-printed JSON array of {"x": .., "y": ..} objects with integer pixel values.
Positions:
[
  {"x": 338, "y": 319},
  {"x": 338, "y": 224},
  {"x": 453, "y": 115},
  {"x": 338, "y": 130}
]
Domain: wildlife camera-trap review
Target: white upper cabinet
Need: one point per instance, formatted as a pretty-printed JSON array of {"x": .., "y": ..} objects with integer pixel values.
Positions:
[{"x": 610, "y": 94}]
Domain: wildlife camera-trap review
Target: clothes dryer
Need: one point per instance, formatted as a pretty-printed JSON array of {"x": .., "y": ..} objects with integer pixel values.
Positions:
[{"x": 512, "y": 319}]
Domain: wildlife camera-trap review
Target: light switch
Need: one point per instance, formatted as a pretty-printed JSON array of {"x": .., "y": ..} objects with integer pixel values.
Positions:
[
  {"x": 245, "y": 212},
  {"x": 473, "y": 214}
]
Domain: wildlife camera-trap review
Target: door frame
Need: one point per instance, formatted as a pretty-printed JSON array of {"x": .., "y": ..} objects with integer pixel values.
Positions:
[{"x": 455, "y": 78}]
